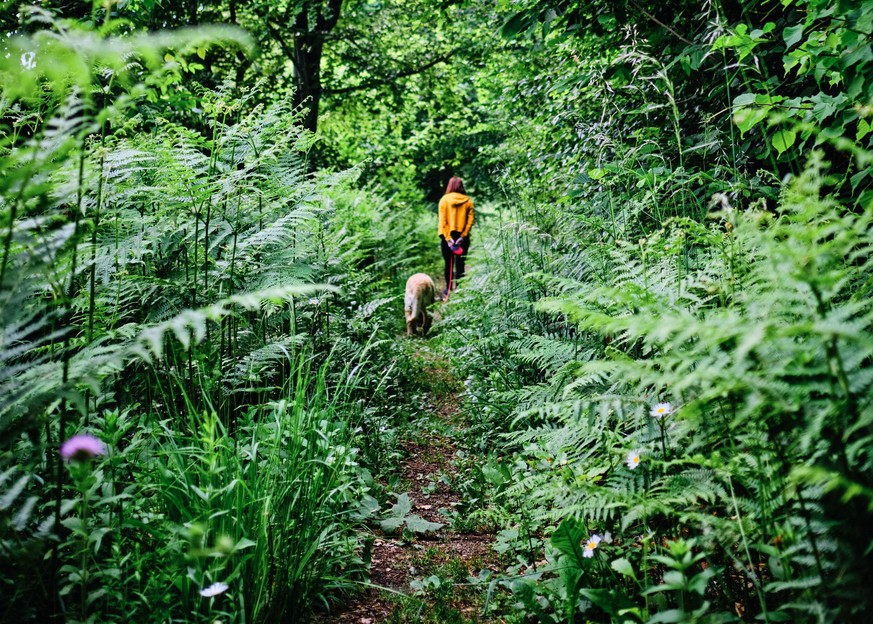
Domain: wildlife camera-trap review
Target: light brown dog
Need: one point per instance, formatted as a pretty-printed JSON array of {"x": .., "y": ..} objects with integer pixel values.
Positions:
[{"x": 419, "y": 294}]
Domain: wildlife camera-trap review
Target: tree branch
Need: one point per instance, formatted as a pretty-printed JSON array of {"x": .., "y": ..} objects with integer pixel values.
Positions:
[
  {"x": 660, "y": 23},
  {"x": 370, "y": 84},
  {"x": 328, "y": 18},
  {"x": 277, "y": 36}
]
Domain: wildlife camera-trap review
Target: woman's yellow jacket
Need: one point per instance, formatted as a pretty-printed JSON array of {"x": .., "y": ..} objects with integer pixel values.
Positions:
[{"x": 455, "y": 215}]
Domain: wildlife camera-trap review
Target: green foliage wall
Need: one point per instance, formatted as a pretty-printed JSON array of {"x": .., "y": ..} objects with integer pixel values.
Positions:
[
  {"x": 212, "y": 311},
  {"x": 665, "y": 308}
]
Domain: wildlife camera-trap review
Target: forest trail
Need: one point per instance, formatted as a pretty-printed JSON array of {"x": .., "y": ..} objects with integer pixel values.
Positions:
[{"x": 424, "y": 577}]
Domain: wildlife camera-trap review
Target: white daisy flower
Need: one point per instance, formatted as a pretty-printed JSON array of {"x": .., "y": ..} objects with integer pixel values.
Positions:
[
  {"x": 633, "y": 460},
  {"x": 661, "y": 409},
  {"x": 590, "y": 545}
]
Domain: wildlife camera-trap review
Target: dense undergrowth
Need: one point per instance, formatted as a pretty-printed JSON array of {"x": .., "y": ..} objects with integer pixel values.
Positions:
[
  {"x": 696, "y": 400},
  {"x": 210, "y": 311},
  {"x": 664, "y": 335},
  {"x": 677, "y": 349}
]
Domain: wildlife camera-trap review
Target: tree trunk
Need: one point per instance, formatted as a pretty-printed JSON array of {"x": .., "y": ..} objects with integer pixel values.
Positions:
[{"x": 308, "y": 48}]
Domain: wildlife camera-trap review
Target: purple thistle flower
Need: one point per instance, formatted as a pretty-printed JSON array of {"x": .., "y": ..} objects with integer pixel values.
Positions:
[{"x": 81, "y": 447}]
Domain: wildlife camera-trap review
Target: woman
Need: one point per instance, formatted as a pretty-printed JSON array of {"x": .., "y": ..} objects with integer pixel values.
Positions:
[{"x": 455, "y": 221}]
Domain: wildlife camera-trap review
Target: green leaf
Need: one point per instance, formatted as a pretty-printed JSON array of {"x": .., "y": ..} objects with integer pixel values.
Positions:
[
  {"x": 493, "y": 475},
  {"x": 748, "y": 118},
  {"x": 402, "y": 507},
  {"x": 792, "y": 35},
  {"x": 780, "y": 616},
  {"x": 766, "y": 98},
  {"x": 859, "y": 177},
  {"x": 367, "y": 507},
  {"x": 744, "y": 99},
  {"x": 863, "y": 129},
  {"x": 568, "y": 537},
  {"x": 776, "y": 567},
  {"x": 203, "y": 495},
  {"x": 390, "y": 525},
  {"x": 614, "y": 603},
  {"x": 597, "y": 173},
  {"x": 244, "y": 543},
  {"x": 624, "y": 567},
  {"x": 517, "y": 23},
  {"x": 783, "y": 139},
  {"x": 96, "y": 537},
  {"x": 417, "y": 524},
  {"x": 74, "y": 523},
  {"x": 698, "y": 582},
  {"x": 669, "y": 617}
]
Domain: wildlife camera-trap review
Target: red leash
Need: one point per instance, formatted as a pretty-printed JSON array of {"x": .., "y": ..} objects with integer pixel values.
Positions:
[
  {"x": 451, "y": 275},
  {"x": 452, "y": 270}
]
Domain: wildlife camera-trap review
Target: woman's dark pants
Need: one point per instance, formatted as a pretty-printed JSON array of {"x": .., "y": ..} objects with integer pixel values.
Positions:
[{"x": 460, "y": 261}]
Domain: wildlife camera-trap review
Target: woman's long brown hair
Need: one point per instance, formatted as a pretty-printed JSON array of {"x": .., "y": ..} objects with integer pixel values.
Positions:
[{"x": 456, "y": 185}]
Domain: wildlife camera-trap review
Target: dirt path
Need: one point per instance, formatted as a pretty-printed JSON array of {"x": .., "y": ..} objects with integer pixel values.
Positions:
[{"x": 425, "y": 577}]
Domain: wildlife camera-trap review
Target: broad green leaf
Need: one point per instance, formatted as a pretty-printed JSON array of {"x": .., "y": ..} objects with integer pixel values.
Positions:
[
  {"x": 744, "y": 99},
  {"x": 748, "y": 118},
  {"x": 624, "y": 567},
  {"x": 493, "y": 475},
  {"x": 597, "y": 173},
  {"x": 390, "y": 525},
  {"x": 783, "y": 139},
  {"x": 96, "y": 537},
  {"x": 96, "y": 595},
  {"x": 863, "y": 129},
  {"x": 669, "y": 617},
  {"x": 568, "y": 537},
  {"x": 698, "y": 582},
  {"x": 766, "y": 98},
  {"x": 402, "y": 507},
  {"x": 417, "y": 524},
  {"x": 613, "y": 602},
  {"x": 792, "y": 34},
  {"x": 776, "y": 568},
  {"x": 367, "y": 507},
  {"x": 74, "y": 523}
]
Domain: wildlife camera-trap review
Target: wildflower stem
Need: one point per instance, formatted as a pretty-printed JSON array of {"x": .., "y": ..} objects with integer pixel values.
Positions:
[
  {"x": 754, "y": 577},
  {"x": 83, "y": 587},
  {"x": 663, "y": 439}
]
